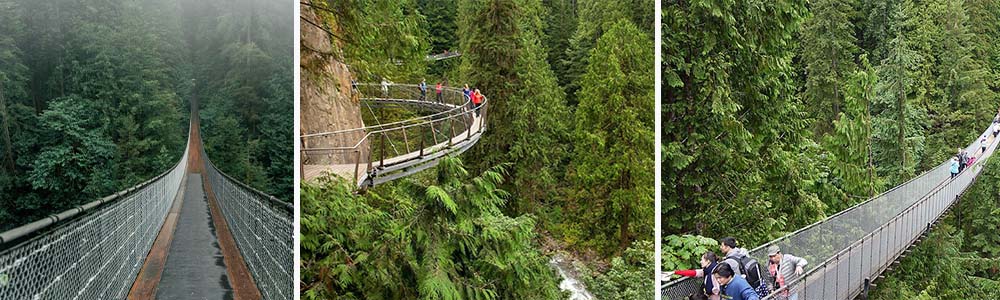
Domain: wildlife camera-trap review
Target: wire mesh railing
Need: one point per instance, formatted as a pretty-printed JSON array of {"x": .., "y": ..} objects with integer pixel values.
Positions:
[
  {"x": 863, "y": 240},
  {"x": 93, "y": 251},
  {"x": 261, "y": 225},
  {"x": 381, "y": 149}
]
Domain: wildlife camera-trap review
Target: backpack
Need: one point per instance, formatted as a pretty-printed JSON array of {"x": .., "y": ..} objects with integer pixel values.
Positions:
[{"x": 751, "y": 270}]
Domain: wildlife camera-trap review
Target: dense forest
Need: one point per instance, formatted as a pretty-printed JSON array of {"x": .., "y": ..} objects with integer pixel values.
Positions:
[
  {"x": 94, "y": 96},
  {"x": 778, "y": 114},
  {"x": 566, "y": 167}
]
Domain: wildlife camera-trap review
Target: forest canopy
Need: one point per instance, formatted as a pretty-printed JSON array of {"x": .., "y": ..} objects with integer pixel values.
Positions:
[
  {"x": 566, "y": 164},
  {"x": 94, "y": 96}
]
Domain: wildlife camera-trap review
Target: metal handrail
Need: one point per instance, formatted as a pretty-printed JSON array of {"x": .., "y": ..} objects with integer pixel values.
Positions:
[
  {"x": 453, "y": 109},
  {"x": 37, "y": 226},
  {"x": 457, "y": 106},
  {"x": 933, "y": 190}
]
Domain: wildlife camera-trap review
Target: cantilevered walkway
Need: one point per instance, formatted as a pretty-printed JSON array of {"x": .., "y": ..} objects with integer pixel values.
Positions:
[{"x": 375, "y": 154}]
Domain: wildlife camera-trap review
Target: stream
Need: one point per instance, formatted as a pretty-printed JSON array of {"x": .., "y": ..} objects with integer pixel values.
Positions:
[{"x": 569, "y": 280}]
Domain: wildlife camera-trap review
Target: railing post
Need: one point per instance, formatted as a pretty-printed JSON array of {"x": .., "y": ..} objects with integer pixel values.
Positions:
[
  {"x": 864, "y": 289},
  {"x": 468, "y": 127},
  {"x": 451, "y": 127},
  {"x": 422, "y": 138},
  {"x": 434, "y": 133},
  {"x": 382, "y": 153},
  {"x": 357, "y": 164},
  {"x": 406, "y": 141}
]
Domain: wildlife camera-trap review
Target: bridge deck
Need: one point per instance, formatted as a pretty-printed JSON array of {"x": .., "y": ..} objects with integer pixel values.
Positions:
[
  {"x": 195, "y": 267},
  {"x": 310, "y": 172}
]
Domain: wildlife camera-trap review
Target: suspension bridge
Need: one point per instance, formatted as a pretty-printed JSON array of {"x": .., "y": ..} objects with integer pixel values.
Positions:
[
  {"x": 192, "y": 232},
  {"x": 443, "y": 56},
  {"x": 432, "y": 127},
  {"x": 849, "y": 251}
]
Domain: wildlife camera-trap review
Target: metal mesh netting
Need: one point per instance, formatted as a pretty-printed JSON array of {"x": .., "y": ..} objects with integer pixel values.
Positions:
[
  {"x": 262, "y": 228},
  {"x": 96, "y": 254},
  {"x": 861, "y": 241}
]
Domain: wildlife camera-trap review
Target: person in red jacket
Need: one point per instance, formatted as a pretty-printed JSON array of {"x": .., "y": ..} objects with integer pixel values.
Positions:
[
  {"x": 710, "y": 287},
  {"x": 477, "y": 100},
  {"x": 438, "y": 89}
]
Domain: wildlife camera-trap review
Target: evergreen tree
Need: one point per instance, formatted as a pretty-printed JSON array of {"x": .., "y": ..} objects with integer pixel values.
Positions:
[
  {"x": 828, "y": 59},
  {"x": 448, "y": 240},
  {"x": 898, "y": 136},
  {"x": 850, "y": 142},
  {"x": 614, "y": 123}
]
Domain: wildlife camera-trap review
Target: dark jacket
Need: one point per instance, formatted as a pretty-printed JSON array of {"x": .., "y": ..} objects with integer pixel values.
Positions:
[
  {"x": 739, "y": 289},
  {"x": 709, "y": 281}
]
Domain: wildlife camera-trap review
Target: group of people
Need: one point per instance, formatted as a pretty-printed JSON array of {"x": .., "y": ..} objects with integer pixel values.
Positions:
[
  {"x": 423, "y": 90},
  {"x": 474, "y": 96},
  {"x": 738, "y": 276}
]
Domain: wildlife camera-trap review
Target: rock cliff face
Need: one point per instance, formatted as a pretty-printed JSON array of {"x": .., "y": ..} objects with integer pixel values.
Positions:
[{"x": 327, "y": 103}]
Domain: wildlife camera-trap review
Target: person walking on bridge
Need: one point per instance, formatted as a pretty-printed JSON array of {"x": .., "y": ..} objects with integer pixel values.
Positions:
[
  {"x": 710, "y": 287},
  {"x": 423, "y": 89},
  {"x": 733, "y": 287},
  {"x": 982, "y": 144},
  {"x": 385, "y": 88},
  {"x": 438, "y": 90},
  {"x": 785, "y": 269},
  {"x": 963, "y": 159},
  {"x": 477, "y": 100},
  {"x": 954, "y": 167}
]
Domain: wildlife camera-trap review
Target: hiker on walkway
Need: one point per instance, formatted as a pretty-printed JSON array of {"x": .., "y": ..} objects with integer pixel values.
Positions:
[
  {"x": 972, "y": 159},
  {"x": 438, "y": 89},
  {"x": 996, "y": 129},
  {"x": 734, "y": 287},
  {"x": 385, "y": 88},
  {"x": 954, "y": 167},
  {"x": 743, "y": 265},
  {"x": 732, "y": 253},
  {"x": 785, "y": 269},
  {"x": 710, "y": 287},
  {"x": 477, "y": 100},
  {"x": 982, "y": 144},
  {"x": 962, "y": 159},
  {"x": 423, "y": 89}
]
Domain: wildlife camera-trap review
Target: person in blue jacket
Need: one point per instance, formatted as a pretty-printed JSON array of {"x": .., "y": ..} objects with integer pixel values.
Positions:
[
  {"x": 733, "y": 287},
  {"x": 954, "y": 167}
]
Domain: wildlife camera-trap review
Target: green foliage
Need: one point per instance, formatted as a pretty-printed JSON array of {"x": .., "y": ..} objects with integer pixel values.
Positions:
[
  {"x": 448, "y": 240},
  {"x": 829, "y": 59},
  {"x": 90, "y": 101},
  {"x": 849, "y": 144},
  {"x": 683, "y": 252},
  {"x": 393, "y": 27},
  {"x": 628, "y": 276},
  {"x": 242, "y": 66},
  {"x": 614, "y": 135},
  {"x": 736, "y": 157}
]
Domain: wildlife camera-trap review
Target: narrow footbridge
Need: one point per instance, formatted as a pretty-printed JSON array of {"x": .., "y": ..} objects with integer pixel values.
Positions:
[
  {"x": 431, "y": 128},
  {"x": 849, "y": 251},
  {"x": 191, "y": 232},
  {"x": 443, "y": 56}
]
